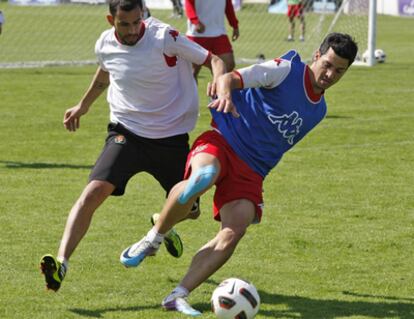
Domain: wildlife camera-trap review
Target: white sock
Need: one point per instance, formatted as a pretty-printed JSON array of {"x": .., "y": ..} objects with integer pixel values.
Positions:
[
  {"x": 181, "y": 291},
  {"x": 154, "y": 237},
  {"x": 63, "y": 261},
  {"x": 178, "y": 291}
]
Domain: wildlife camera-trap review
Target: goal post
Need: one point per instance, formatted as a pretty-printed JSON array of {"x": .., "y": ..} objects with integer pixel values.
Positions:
[
  {"x": 65, "y": 33},
  {"x": 372, "y": 32}
]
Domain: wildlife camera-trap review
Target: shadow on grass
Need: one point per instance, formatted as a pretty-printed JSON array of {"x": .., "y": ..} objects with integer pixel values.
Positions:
[
  {"x": 308, "y": 308},
  {"x": 304, "y": 308},
  {"x": 350, "y": 293},
  {"x": 16, "y": 165},
  {"x": 99, "y": 313},
  {"x": 338, "y": 117}
]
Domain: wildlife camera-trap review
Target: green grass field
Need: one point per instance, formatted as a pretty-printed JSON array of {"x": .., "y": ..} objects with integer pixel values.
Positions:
[{"x": 337, "y": 237}]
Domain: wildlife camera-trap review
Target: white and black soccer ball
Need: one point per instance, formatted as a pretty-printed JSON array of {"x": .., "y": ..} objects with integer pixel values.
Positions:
[
  {"x": 379, "y": 55},
  {"x": 235, "y": 299}
]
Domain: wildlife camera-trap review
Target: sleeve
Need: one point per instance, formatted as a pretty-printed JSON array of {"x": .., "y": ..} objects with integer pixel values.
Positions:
[
  {"x": 177, "y": 45},
  {"x": 268, "y": 74},
  {"x": 231, "y": 15},
  {"x": 1, "y": 18},
  {"x": 98, "y": 46},
  {"x": 191, "y": 11}
]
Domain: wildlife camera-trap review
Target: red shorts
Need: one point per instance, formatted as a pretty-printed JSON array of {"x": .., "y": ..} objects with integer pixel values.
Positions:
[
  {"x": 295, "y": 10},
  {"x": 236, "y": 181},
  {"x": 216, "y": 45}
]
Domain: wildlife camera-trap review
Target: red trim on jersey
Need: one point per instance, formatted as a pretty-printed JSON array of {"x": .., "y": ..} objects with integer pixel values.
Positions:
[
  {"x": 308, "y": 86},
  {"x": 142, "y": 31},
  {"x": 170, "y": 60},
  {"x": 208, "y": 58},
  {"x": 191, "y": 11},
  {"x": 231, "y": 15},
  {"x": 241, "y": 78},
  {"x": 116, "y": 37}
]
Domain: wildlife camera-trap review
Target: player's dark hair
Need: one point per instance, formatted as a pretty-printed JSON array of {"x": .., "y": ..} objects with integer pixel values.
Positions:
[
  {"x": 342, "y": 44},
  {"x": 124, "y": 5}
]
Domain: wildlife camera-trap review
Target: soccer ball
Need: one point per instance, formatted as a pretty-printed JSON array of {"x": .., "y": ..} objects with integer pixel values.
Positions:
[
  {"x": 235, "y": 299},
  {"x": 379, "y": 55}
]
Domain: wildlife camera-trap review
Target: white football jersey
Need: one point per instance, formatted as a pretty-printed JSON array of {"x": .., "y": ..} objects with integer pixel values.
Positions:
[
  {"x": 268, "y": 74},
  {"x": 152, "y": 90}
]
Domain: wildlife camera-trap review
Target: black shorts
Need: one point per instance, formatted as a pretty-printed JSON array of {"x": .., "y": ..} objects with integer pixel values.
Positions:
[{"x": 126, "y": 154}]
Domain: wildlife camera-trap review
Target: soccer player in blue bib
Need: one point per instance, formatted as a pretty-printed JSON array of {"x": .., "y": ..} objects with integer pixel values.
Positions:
[{"x": 260, "y": 113}]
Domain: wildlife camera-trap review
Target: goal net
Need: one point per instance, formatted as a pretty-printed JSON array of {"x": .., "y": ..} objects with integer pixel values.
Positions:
[
  {"x": 265, "y": 28},
  {"x": 65, "y": 33}
]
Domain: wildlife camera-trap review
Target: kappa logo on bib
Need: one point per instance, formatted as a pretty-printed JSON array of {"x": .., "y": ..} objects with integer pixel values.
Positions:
[
  {"x": 120, "y": 139},
  {"x": 287, "y": 124}
]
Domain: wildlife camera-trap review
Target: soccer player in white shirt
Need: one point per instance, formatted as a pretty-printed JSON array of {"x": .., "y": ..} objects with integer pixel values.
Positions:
[
  {"x": 153, "y": 105},
  {"x": 206, "y": 26}
]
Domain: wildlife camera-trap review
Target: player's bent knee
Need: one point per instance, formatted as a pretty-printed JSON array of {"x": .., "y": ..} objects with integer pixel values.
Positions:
[
  {"x": 237, "y": 233},
  {"x": 199, "y": 181},
  {"x": 97, "y": 191}
]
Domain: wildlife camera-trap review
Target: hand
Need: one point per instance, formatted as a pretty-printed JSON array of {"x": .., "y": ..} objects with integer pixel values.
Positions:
[
  {"x": 71, "y": 119},
  {"x": 212, "y": 89},
  {"x": 224, "y": 104},
  {"x": 200, "y": 27},
  {"x": 236, "y": 34}
]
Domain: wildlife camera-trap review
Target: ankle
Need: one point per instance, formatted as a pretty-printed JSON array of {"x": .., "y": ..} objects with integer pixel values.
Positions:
[
  {"x": 64, "y": 261},
  {"x": 178, "y": 292},
  {"x": 154, "y": 237}
]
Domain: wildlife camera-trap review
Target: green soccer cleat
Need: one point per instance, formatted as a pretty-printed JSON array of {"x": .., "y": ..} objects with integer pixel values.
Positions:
[
  {"x": 53, "y": 270},
  {"x": 172, "y": 240}
]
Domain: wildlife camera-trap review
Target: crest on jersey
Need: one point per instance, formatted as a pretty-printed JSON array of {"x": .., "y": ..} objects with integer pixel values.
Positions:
[
  {"x": 120, "y": 139},
  {"x": 174, "y": 34},
  {"x": 288, "y": 125},
  {"x": 278, "y": 61}
]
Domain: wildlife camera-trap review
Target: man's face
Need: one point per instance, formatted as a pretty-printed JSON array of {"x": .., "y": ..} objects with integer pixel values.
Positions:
[
  {"x": 127, "y": 25},
  {"x": 328, "y": 69}
]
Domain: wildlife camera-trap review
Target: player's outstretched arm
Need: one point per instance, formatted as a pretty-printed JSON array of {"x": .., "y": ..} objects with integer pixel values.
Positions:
[
  {"x": 218, "y": 68},
  {"x": 224, "y": 85},
  {"x": 71, "y": 119}
]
